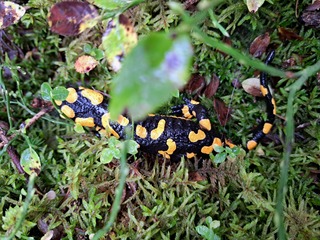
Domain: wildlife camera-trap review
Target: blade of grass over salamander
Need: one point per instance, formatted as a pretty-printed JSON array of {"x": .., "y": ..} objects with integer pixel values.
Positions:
[
  {"x": 289, "y": 129},
  {"x": 124, "y": 170}
]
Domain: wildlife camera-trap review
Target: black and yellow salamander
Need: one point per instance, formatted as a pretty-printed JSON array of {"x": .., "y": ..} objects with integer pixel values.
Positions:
[{"x": 170, "y": 136}]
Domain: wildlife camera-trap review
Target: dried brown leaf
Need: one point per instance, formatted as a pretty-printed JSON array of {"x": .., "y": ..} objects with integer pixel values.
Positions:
[
  {"x": 252, "y": 86},
  {"x": 259, "y": 45},
  {"x": 212, "y": 87},
  {"x": 223, "y": 112},
  {"x": 70, "y": 18}
]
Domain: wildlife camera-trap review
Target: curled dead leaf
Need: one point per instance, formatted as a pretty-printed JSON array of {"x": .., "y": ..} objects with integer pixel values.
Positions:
[
  {"x": 259, "y": 45},
  {"x": 212, "y": 87},
  {"x": 195, "y": 85},
  {"x": 223, "y": 112}
]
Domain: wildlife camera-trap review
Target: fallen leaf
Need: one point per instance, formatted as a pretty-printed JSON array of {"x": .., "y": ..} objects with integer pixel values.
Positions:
[
  {"x": 223, "y": 112},
  {"x": 10, "y": 13},
  {"x": 254, "y": 5},
  {"x": 259, "y": 45},
  {"x": 195, "y": 85},
  {"x": 71, "y": 18},
  {"x": 252, "y": 86},
  {"x": 288, "y": 34},
  {"x": 212, "y": 87},
  {"x": 85, "y": 64}
]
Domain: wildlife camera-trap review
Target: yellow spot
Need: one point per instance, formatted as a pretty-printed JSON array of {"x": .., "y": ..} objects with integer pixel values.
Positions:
[
  {"x": 171, "y": 148},
  {"x": 151, "y": 115},
  {"x": 263, "y": 90},
  {"x": 123, "y": 121},
  {"x": 58, "y": 102},
  {"x": 266, "y": 128},
  {"x": 217, "y": 141},
  {"x": 251, "y": 144},
  {"x": 156, "y": 133},
  {"x": 141, "y": 131},
  {"x": 274, "y": 106},
  {"x": 194, "y": 113},
  {"x": 105, "y": 123},
  {"x": 209, "y": 149},
  {"x": 94, "y": 96},
  {"x": 206, "y": 124},
  {"x": 105, "y": 120},
  {"x": 185, "y": 112},
  {"x": 190, "y": 155},
  {"x": 194, "y": 102},
  {"x": 113, "y": 133},
  {"x": 194, "y": 137},
  {"x": 72, "y": 96},
  {"x": 230, "y": 144},
  {"x": 85, "y": 122},
  {"x": 68, "y": 111}
]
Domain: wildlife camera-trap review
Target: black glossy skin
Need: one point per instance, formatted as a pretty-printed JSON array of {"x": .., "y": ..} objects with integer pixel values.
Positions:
[{"x": 178, "y": 130}]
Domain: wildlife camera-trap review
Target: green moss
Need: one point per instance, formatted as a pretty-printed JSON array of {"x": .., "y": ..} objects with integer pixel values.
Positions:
[{"x": 162, "y": 200}]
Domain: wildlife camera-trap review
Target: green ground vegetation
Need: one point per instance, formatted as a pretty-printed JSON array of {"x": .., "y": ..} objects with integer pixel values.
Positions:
[{"x": 236, "y": 196}]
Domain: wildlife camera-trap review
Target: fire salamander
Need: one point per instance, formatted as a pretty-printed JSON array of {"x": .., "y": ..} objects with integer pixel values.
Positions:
[{"x": 169, "y": 136}]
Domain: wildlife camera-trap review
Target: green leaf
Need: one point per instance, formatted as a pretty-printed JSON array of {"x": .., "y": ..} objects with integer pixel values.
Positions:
[
  {"x": 46, "y": 91},
  {"x": 220, "y": 157},
  {"x": 30, "y": 161},
  {"x": 203, "y": 230},
  {"x": 132, "y": 146},
  {"x": 87, "y": 48},
  {"x": 78, "y": 128},
  {"x": 214, "y": 224},
  {"x": 60, "y": 93},
  {"x": 208, "y": 220},
  {"x": 151, "y": 74},
  {"x": 218, "y": 149},
  {"x": 97, "y": 54},
  {"x": 106, "y": 156}
]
